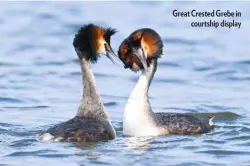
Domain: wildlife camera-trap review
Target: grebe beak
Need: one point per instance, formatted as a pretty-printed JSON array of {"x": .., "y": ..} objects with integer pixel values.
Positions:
[
  {"x": 110, "y": 53},
  {"x": 139, "y": 53}
]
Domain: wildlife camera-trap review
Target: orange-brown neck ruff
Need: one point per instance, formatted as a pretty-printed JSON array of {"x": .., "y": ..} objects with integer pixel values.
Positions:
[
  {"x": 145, "y": 38},
  {"x": 150, "y": 41},
  {"x": 98, "y": 39}
]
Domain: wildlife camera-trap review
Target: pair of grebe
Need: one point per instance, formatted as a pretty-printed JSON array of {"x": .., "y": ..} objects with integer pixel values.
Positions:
[{"x": 139, "y": 52}]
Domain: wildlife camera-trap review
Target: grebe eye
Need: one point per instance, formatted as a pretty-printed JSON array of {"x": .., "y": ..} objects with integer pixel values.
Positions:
[{"x": 106, "y": 45}]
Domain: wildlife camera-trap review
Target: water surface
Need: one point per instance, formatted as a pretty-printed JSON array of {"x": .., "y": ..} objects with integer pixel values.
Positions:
[{"x": 205, "y": 71}]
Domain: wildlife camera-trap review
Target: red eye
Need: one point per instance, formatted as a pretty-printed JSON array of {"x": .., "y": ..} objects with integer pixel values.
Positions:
[{"x": 107, "y": 47}]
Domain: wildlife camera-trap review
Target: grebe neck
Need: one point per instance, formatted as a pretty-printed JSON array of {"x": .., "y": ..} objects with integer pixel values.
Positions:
[
  {"x": 138, "y": 115},
  {"x": 140, "y": 91},
  {"x": 91, "y": 105}
]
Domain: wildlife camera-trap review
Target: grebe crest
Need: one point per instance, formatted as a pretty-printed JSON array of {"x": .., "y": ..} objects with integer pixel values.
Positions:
[{"x": 91, "y": 122}]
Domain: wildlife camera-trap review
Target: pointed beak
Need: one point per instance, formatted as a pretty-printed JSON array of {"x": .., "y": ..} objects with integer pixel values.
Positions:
[
  {"x": 110, "y": 53},
  {"x": 139, "y": 53}
]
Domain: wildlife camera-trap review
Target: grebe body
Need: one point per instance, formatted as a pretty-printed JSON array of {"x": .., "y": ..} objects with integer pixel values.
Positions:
[
  {"x": 140, "y": 52},
  {"x": 91, "y": 122}
]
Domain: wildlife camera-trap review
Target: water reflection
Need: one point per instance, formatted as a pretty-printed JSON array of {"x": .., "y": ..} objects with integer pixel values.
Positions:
[{"x": 137, "y": 144}]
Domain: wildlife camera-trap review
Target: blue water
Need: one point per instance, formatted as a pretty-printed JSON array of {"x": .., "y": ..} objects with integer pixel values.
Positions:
[{"x": 203, "y": 71}]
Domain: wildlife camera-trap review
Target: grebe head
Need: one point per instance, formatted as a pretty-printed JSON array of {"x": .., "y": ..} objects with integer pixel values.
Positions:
[
  {"x": 138, "y": 50},
  {"x": 93, "y": 41}
]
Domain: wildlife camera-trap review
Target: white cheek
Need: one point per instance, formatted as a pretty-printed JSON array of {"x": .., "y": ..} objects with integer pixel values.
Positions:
[
  {"x": 101, "y": 49},
  {"x": 145, "y": 50}
]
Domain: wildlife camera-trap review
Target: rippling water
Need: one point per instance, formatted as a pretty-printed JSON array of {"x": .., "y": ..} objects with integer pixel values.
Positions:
[{"x": 203, "y": 71}]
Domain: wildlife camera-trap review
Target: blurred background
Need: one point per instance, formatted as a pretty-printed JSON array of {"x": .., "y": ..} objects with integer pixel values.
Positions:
[{"x": 203, "y": 70}]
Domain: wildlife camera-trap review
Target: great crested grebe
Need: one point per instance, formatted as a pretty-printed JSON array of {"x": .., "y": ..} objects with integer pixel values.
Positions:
[
  {"x": 140, "y": 52},
  {"x": 91, "y": 122}
]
